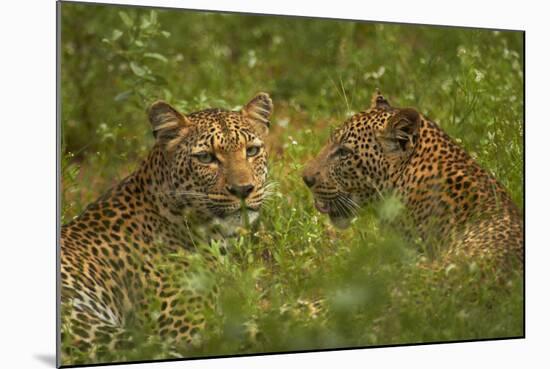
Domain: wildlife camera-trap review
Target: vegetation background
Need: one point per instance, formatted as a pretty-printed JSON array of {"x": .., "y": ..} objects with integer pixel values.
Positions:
[{"x": 117, "y": 60}]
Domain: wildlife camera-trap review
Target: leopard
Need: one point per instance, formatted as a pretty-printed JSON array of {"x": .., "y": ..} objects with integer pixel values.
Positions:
[
  {"x": 454, "y": 208},
  {"x": 203, "y": 179}
]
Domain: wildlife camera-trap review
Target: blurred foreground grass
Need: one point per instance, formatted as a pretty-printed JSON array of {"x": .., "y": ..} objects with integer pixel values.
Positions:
[{"x": 117, "y": 60}]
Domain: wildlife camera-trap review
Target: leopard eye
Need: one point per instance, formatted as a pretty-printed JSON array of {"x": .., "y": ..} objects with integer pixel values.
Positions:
[
  {"x": 343, "y": 151},
  {"x": 252, "y": 151},
  {"x": 205, "y": 157}
]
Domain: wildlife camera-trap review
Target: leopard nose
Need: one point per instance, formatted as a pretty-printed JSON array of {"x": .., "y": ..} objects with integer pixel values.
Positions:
[
  {"x": 309, "y": 180},
  {"x": 240, "y": 191}
]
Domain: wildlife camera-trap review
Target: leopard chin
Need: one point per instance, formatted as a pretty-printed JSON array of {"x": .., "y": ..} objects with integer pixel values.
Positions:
[
  {"x": 340, "y": 222},
  {"x": 230, "y": 224}
]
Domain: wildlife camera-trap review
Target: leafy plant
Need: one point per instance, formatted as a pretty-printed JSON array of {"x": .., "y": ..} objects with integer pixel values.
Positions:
[
  {"x": 295, "y": 282},
  {"x": 131, "y": 46}
]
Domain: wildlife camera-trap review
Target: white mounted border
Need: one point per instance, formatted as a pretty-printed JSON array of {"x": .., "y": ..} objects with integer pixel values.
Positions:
[{"x": 28, "y": 181}]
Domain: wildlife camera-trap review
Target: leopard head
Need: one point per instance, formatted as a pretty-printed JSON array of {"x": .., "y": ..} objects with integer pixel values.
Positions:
[
  {"x": 216, "y": 162},
  {"x": 361, "y": 159}
]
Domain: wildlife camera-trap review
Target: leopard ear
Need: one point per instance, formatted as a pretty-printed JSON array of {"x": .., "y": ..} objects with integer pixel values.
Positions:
[
  {"x": 401, "y": 133},
  {"x": 166, "y": 122},
  {"x": 378, "y": 101},
  {"x": 257, "y": 111}
]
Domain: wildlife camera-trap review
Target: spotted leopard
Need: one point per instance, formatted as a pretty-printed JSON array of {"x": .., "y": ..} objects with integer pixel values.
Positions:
[
  {"x": 206, "y": 174},
  {"x": 448, "y": 198}
]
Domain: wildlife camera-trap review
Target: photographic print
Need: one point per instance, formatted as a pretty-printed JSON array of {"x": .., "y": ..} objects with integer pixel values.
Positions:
[{"x": 241, "y": 184}]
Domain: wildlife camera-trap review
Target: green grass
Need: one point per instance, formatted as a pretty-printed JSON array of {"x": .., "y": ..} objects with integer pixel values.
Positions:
[{"x": 318, "y": 72}]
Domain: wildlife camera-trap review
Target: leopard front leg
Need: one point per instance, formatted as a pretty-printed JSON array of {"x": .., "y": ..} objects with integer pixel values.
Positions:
[
  {"x": 187, "y": 297},
  {"x": 86, "y": 335}
]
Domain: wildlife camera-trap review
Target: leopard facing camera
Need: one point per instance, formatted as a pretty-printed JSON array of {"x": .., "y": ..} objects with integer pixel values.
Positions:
[
  {"x": 215, "y": 159},
  {"x": 207, "y": 170}
]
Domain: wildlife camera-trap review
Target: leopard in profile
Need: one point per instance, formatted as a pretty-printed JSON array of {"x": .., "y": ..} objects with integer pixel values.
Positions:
[{"x": 448, "y": 198}]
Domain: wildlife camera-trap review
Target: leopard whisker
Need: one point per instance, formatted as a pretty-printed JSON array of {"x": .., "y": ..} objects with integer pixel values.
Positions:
[
  {"x": 349, "y": 202},
  {"x": 346, "y": 205},
  {"x": 339, "y": 209},
  {"x": 271, "y": 185}
]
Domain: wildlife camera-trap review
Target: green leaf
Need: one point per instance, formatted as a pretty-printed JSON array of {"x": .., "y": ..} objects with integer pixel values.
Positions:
[
  {"x": 150, "y": 77},
  {"x": 167, "y": 95},
  {"x": 116, "y": 34},
  {"x": 145, "y": 23},
  {"x": 390, "y": 208},
  {"x": 166, "y": 34},
  {"x": 128, "y": 22},
  {"x": 123, "y": 95},
  {"x": 137, "y": 70},
  {"x": 157, "y": 56}
]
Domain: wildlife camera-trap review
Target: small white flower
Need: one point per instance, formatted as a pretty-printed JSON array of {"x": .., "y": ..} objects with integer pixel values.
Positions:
[{"x": 479, "y": 75}]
